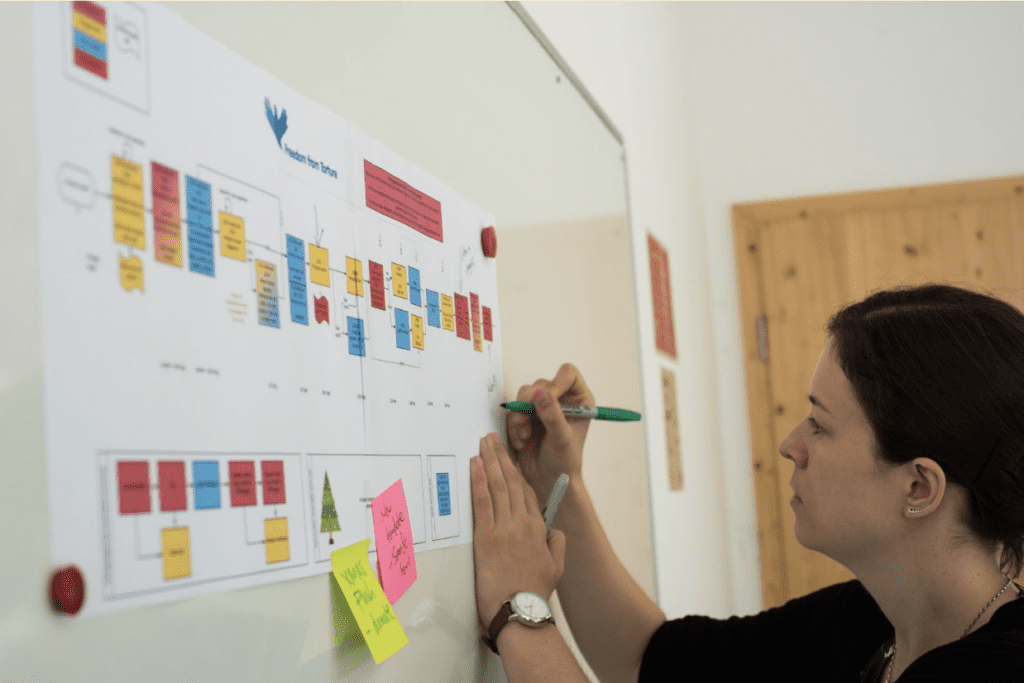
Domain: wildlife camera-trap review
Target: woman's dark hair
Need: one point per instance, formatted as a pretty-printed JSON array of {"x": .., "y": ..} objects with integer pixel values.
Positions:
[{"x": 939, "y": 372}]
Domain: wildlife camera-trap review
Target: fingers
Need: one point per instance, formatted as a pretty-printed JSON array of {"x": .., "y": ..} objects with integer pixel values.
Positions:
[
  {"x": 569, "y": 387},
  {"x": 513, "y": 480},
  {"x": 515, "y": 498},
  {"x": 496, "y": 483},
  {"x": 520, "y": 428},
  {"x": 483, "y": 508},
  {"x": 522, "y": 497},
  {"x": 550, "y": 414}
]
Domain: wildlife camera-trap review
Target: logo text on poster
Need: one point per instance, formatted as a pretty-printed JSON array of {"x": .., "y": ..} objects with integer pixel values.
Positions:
[{"x": 279, "y": 124}]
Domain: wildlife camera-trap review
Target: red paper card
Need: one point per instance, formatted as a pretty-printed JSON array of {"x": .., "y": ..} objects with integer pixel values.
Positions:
[
  {"x": 661, "y": 293},
  {"x": 171, "y": 475},
  {"x": 399, "y": 200},
  {"x": 377, "y": 286},
  {"x": 243, "y": 482},
  {"x": 461, "y": 316},
  {"x": 272, "y": 474}
]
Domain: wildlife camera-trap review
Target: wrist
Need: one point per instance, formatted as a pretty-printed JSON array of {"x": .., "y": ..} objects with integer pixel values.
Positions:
[
  {"x": 538, "y": 654},
  {"x": 517, "y": 635},
  {"x": 526, "y": 609},
  {"x": 573, "y": 511}
]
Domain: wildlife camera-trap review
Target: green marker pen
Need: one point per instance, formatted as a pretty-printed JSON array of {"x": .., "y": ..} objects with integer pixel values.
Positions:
[{"x": 578, "y": 412}]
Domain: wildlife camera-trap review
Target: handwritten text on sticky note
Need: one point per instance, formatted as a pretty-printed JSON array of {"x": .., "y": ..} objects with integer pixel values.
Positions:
[
  {"x": 376, "y": 619},
  {"x": 391, "y": 530}
]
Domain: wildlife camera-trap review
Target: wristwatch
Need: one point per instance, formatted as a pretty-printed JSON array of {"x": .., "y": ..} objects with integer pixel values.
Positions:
[{"x": 525, "y": 607}]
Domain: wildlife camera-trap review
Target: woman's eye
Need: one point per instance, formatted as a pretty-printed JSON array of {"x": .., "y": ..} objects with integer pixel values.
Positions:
[{"x": 815, "y": 426}]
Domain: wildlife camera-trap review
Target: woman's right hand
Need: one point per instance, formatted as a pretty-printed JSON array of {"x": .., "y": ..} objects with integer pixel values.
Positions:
[{"x": 546, "y": 444}]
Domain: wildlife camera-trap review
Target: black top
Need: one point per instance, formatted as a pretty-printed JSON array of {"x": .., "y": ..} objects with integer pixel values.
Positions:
[{"x": 835, "y": 634}]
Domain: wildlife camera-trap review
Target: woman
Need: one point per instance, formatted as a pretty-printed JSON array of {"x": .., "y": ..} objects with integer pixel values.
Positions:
[{"x": 909, "y": 470}]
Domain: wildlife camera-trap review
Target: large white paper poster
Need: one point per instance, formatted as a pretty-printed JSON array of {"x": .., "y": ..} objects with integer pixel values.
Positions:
[{"x": 256, "y": 318}]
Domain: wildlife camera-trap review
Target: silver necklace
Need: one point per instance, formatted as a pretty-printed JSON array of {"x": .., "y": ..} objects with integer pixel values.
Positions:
[{"x": 892, "y": 650}]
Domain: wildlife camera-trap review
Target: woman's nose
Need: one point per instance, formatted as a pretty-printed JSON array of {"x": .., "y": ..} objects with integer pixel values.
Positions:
[{"x": 792, "y": 448}]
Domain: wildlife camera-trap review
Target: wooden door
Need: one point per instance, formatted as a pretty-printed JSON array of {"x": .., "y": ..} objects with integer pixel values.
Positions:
[{"x": 798, "y": 261}]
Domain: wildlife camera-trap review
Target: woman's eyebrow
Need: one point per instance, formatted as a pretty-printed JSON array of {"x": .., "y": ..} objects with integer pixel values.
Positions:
[{"x": 814, "y": 400}]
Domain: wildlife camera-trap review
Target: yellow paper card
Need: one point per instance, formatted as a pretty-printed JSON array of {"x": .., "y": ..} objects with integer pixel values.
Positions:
[
  {"x": 398, "y": 278},
  {"x": 131, "y": 272},
  {"x": 276, "y": 530},
  {"x": 129, "y": 214},
  {"x": 319, "y": 266},
  {"x": 447, "y": 313},
  {"x": 417, "y": 332},
  {"x": 232, "y": 236},
  {"x": 90, "y": 27},
  {"x": 177, "y": 553},
  {"x": 377, "y": 621},
  {"x": 355, "y": 275}
]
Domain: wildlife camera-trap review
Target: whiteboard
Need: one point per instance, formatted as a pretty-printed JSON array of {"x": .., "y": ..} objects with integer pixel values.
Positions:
[{"x": 463, "y": 91}]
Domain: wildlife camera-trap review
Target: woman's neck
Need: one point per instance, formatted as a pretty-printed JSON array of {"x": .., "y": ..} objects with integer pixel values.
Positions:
[{"x": 932, "y": 604}]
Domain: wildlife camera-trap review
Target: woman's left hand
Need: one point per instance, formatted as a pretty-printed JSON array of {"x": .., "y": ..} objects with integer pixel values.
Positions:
[{"x": 513, "y": 549}]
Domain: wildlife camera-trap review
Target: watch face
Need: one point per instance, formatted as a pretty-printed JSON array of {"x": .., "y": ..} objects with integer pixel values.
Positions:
[{"x": 531, "y": 606}]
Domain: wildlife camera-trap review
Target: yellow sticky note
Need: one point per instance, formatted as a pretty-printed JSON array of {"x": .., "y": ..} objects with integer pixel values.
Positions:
[
  {"x": 232, "y": 236},
  {"x": 355, "y": 276},
  {"x": 318, "y": 266},
  {"x": 374, "y": 615},
  {"x": 346, "y": 630},
  {"x": 398, "y": 278},
  {"x": 447, "y": 313}
]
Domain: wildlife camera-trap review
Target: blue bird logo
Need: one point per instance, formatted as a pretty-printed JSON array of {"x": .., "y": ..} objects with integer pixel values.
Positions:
[{"x": 279, "y": 124}]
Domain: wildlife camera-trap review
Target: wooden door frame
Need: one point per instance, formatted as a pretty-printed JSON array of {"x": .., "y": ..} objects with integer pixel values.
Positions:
[{"x": 748, "y": 222}]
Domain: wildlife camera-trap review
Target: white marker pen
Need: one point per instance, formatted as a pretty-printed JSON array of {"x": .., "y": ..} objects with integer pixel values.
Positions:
[{"x": 557, "y": 493}]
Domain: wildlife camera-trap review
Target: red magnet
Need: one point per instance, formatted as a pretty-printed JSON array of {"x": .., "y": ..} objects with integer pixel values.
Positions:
[
  {"x": 67, "y": 588},
  {"x": 490, "y": 242}
]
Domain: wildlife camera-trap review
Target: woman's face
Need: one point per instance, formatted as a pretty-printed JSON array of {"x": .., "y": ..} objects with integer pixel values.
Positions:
[{"x": 845, "y": 505}]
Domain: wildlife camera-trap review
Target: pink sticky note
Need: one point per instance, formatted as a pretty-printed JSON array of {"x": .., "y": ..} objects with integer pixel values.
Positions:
[{"x": 396, "y": 560}]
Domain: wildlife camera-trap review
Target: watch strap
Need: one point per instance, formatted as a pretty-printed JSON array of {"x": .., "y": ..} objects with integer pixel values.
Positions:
[{"x": 498, "y": 623}]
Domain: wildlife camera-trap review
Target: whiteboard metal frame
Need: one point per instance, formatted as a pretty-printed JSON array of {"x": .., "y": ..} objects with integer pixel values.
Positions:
[{"x": 532, "y": 26}]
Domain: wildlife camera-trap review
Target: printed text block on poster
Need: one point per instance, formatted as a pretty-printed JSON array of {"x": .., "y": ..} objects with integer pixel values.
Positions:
[{"x": 397, "y": 199}]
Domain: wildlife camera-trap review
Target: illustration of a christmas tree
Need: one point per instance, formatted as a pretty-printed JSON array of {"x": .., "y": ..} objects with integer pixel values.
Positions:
[{"x": 328, "y": 515}]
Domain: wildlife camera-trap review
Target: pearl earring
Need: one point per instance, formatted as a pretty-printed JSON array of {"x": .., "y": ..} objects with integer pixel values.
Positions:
[{"x": 918, "y": 509}]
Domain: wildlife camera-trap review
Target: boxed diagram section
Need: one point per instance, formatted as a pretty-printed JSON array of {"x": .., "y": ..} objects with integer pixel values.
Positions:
[
  {"x": 444, "y": 497},
  {"x": 107, "y": 51},
  {"x": 166, "y": 516},
  {"x": 342, "y": 488}
]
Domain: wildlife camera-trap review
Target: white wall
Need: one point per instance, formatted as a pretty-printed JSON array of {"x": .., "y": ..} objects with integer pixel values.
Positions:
[{"x": 722, "y": 103}]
